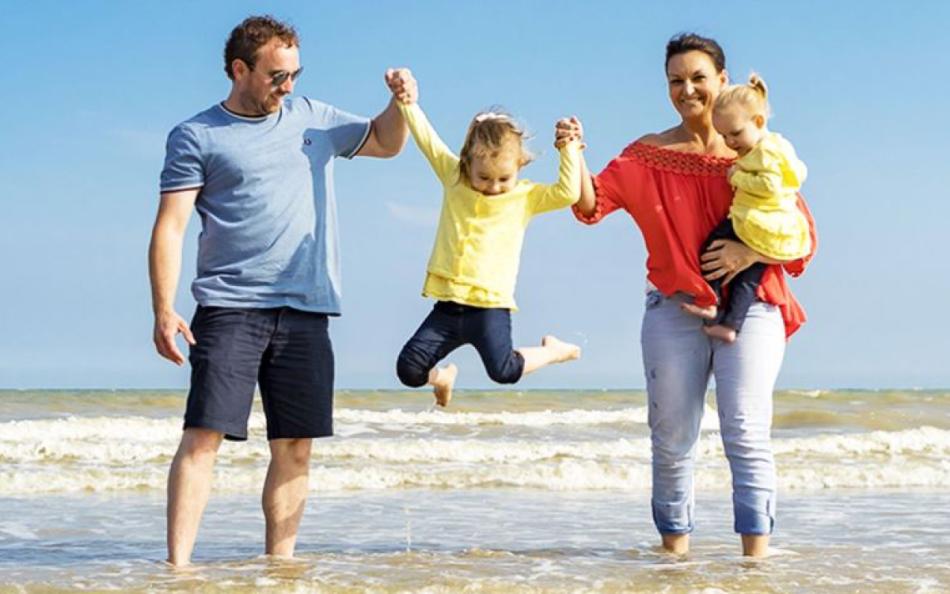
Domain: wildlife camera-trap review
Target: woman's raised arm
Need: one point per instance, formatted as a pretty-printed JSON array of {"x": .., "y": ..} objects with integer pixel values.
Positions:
[{"x": 567, "y": 129}]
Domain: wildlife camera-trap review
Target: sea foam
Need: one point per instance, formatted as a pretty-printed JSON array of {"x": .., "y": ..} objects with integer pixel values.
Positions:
[{"x": 551, "y": 451}]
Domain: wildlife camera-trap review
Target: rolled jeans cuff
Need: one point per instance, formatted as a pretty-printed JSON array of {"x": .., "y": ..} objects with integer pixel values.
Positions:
[
  {"x": 754, "y": 517},
  {"x": 672, "y": 518}
]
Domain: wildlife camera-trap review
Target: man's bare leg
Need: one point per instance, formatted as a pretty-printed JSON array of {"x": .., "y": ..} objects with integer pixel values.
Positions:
[
  {"x": 552, "y": 350},
  {"x": 285, "y": 494},
  {"x": 189, "y": 485}
]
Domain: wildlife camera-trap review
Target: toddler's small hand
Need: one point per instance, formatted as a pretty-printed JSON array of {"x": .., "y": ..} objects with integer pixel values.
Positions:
[
  {"x": 403, "y": 85},
  {"x": 568, "y": 129},
  {"x": 730, "y": 171}
]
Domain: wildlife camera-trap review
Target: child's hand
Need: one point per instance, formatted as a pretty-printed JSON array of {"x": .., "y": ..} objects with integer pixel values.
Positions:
[
  {"x": 403, "y": 85},
  {"x": 732, "y": 169},
  {"x": 568, "y": 129}
]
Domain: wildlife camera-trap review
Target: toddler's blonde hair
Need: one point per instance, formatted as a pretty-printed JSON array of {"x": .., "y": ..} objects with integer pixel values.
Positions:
[
  {"x": 754, "y": 96},
  {"x": 489, "y": 134}
]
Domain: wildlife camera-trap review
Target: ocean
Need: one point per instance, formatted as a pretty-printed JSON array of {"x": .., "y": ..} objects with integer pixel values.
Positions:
[{"x": 505, "y": 491}]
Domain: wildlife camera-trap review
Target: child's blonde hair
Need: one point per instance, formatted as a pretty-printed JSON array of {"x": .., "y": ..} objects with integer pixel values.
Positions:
[
  {"x": 489, "y": 134},
  {"x": 753, "y": 95}
]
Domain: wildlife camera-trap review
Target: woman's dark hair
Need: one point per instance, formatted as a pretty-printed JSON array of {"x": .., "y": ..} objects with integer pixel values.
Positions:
[
  {"x": 688, "y": 42},
  {"x": 252, "y": 34}
]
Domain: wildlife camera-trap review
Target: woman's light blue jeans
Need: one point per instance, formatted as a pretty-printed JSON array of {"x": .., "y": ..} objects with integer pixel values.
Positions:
[{"x": 678, "y": 359}]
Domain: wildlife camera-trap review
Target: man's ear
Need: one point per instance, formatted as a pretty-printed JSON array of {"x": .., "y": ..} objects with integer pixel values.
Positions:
[{"x": 239, "y": 68}]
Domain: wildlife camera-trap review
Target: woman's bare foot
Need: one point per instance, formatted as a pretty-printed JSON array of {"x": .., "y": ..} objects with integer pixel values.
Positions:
[
  {"x": 723, "y": 333},
  {"x": 755, "y": 545},
  {"x": 706, "y": 313},
  {"x": 560, "y": 351},
  {"x": 677, "y": 544},
  {"x": 442, "y": 380}
]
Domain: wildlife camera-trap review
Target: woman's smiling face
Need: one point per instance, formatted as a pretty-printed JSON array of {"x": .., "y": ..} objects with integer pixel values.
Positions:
[{"x": 693, "y": 83}]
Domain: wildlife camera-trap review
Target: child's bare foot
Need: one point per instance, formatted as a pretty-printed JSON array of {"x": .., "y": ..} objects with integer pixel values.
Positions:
[
  {"x": 707, "y": 313},
  {"x": 561, "y": 351},
  {"x": 442, "y": 383},
  {"x": 723, "y": 333}
]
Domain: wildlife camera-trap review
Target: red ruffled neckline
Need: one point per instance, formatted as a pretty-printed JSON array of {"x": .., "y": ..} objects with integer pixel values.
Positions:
[{"x": 665, "y": 159}]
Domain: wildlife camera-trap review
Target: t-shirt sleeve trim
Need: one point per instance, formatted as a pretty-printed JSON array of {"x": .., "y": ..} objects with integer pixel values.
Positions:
[
  {"x": 362, "y": 143},
  {"x": 183, "y": 167},
  {"x": 169, "y": 189}
]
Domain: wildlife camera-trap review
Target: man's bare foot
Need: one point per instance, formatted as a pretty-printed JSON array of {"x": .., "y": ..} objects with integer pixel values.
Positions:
[
  {"x": 442, "y": 383},
  {"x": 562, "y": 351},
  {"x": 706, "y": 313},
  {"x": 723, "y": 333}
]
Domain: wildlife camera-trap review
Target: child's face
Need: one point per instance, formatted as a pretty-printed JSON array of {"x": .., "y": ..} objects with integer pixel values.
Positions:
[
  {"x": 740, "y": 129},
  {"x": 494, "y": 174}
]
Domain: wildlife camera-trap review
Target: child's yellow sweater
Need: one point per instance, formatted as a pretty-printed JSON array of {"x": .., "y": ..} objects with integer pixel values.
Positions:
[
  {"x": 764, "y": 209},
  {"x": 478, "y": 243}
]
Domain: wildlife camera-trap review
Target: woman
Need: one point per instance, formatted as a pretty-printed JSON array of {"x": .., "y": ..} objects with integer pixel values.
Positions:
[{"x": 673, "y": 184}]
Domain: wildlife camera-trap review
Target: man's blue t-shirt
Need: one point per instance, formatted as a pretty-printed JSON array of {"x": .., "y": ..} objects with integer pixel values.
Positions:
[{"x": 267, "y": 206}]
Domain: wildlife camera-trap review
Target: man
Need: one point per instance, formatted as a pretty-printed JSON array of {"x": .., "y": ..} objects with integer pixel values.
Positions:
[{"x": 259, "y": 169}]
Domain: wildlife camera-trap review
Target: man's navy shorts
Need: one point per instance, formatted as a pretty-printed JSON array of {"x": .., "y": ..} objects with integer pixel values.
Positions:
[{"x": 284, "y": 350}]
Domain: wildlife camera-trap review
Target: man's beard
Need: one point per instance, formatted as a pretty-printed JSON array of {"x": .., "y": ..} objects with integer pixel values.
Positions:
[
  {"x": 261, "y": 107},
  {"x": 270, "y": 104}
]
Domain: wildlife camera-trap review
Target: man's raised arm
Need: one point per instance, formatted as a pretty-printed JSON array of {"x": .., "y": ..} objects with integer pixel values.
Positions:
[{"x": 389, "y": 131}]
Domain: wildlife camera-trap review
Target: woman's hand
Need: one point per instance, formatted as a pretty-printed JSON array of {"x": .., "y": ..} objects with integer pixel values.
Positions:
[
  {"x": 726, "y": 258},
  {"x": 568, "y": 129}
]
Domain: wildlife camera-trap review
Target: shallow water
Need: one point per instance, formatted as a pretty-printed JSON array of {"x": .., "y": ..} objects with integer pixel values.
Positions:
[
  {"x": 503, "y": 492},
  {"x": 479, "y": 541}
]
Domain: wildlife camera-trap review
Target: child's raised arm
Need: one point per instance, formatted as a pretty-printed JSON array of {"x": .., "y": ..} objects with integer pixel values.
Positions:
[
  {"x": 443, "y": 161},
  {"x": 567, "y": 190}
]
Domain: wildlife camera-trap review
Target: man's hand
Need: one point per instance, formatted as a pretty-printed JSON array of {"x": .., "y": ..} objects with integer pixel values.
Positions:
[
  {"x": 167, "y": 326},
  {"x": 568, "y": 129},
  {"x": 403, "y": 85}
]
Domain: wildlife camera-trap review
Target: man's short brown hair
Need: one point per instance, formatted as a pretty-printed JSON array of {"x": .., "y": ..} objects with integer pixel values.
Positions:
[{"x": 252, "y": 34}]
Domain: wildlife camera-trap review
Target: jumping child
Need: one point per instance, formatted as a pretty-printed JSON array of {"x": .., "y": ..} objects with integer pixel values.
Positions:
[{"x": 474, "y": 263}]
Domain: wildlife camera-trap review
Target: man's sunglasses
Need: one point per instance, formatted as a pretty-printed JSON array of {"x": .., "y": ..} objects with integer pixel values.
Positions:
[{"x": 279, "y": 77}]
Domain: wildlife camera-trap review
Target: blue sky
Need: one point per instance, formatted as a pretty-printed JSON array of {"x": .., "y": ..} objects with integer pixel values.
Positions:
[{"x": 91, "y": 89}]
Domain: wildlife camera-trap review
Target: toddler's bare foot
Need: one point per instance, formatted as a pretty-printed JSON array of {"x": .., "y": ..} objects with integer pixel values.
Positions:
[
  {"x": 723, "y": 333},
  {"x": 707, "y": 313},
  {"x": 562, "y": 351},
  {"x": 443, "y": 382}
]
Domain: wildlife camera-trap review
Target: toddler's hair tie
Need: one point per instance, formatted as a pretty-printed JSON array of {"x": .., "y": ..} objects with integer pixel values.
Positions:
[{"x": 490, "y": 115}]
